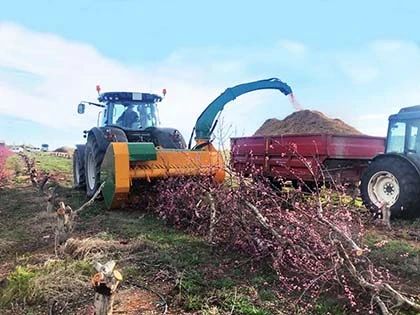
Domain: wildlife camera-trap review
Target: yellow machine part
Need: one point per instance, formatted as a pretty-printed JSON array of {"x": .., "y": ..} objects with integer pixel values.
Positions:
[{"x": 120, "y": 167}]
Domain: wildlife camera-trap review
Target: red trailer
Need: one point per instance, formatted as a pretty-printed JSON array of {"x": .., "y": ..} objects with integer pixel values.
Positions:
[{"x": 339, "y": 158}]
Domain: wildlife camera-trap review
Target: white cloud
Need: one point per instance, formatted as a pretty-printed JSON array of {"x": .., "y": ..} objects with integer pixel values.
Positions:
[
  {"x": 293, "y": 47},
  {"x": 391, "y": 60},
  {"x": 359, "y": 73},
  {"x": 371, "y": 117},
  {"x": 44, "y": 76},
  {"x": 393, "y": 48}
]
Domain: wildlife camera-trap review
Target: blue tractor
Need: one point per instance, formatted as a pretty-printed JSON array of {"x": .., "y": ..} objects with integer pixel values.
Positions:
[{"x": 393, "y": 178}]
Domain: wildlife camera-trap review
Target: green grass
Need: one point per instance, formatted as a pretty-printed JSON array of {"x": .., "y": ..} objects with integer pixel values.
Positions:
[
  {"x": 181, "y": 255},
  {"x": 399, "y": 256},
  {"x": 15, "y": 164},
  {"x": 327, "y": 305},
  {"x": 44, "y": 162},
  {"x": 203, "y": 272},
  {"x": 198, "y": 277},
  {"x": 22, "y": 219},
  {"x": 55, "y": 279},
  {"x": 238, "y": 301},
  {"x": 20, "y": 287},
  {"x": 51, "y": 163}
]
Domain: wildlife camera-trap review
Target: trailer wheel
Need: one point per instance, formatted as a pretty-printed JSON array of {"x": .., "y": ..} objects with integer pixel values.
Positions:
[
  {"x": 93, "y": 161},
  {"x": 79, "y": 178},
  {"x": 394, "y": 182}
]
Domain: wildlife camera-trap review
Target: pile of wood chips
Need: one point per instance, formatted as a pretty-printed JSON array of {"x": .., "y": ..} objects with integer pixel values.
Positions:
[{"x": 305, "y": 122}]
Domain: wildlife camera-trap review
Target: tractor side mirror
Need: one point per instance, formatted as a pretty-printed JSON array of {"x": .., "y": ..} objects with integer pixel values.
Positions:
[{"x": 81, "y": 108}]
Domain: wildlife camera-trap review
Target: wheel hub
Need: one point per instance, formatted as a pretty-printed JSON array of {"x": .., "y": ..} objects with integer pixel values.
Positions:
[
  {"x": 383, "y": 189},
  {"x": 388, "y": 189}
]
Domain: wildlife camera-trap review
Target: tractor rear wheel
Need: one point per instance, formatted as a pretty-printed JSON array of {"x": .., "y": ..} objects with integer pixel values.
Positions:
[
  {"x": 93, "y": 161},
  {"x": 391, "y": 181},
  {"x": 79, "y": 178}
]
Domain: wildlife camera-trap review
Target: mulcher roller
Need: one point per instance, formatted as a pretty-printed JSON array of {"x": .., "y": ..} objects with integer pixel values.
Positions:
[{"x": 125, "y": 162}]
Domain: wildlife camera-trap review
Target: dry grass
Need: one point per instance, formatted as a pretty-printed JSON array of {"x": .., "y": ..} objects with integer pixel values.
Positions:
[
  {"x": 192, "y": 276},
  {"x": 42, "y": 223},
  {"x": 6, "y": 245},
  {"x": 94, "y": 248},
  {"x": 55, "y": 280},
  {"x": 62, "y": 282}
]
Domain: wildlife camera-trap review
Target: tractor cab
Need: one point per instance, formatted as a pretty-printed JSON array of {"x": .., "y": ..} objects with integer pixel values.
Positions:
[
  {"x": 131, "y": 117},
  {"x": 126, "y": 110},
  {"x": 404, "y": 132},
  {"x": 393, "y": 179},
  {"x": 129, "y": 110}
]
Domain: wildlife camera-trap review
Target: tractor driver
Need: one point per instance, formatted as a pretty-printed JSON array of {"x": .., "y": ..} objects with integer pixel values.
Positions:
[{"x": 128, "y": 118}]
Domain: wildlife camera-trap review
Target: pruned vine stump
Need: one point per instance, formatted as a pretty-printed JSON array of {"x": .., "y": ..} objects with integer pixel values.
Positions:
[{"x": 105, "y": 284}]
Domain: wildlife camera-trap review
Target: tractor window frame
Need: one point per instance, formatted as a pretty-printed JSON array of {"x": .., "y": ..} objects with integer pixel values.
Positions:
[
  {"x": 405, "y": 139},
  {"x": 413, "y": 136},
  {"x": 147, "y": 112},
  {"x": 394, "y": 144}
]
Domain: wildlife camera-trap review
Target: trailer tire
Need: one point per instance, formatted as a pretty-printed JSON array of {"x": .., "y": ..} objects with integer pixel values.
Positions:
[
  {"x": 93, "y": 161},
  {"x": 394, "y": 181},
  {"x": 79, "y": 178}
]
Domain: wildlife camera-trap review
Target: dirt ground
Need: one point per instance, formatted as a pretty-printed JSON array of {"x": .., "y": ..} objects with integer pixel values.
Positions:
[
  {"x": 305, "y": 121},
  {"x": 27, "y": 239},
  {"x": 156, "y": 261}
]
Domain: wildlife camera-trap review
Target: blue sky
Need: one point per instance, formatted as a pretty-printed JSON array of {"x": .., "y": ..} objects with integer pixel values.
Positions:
[{"x": 354, "y": 60}]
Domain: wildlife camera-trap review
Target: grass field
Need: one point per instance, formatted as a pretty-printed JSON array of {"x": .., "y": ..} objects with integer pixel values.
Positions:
[{"x": 193, "y": 276}]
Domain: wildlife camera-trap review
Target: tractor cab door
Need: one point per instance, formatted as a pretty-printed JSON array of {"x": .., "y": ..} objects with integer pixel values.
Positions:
[
  {"x": 396, "y": 137},
  {"x": 404, "y": 138}
]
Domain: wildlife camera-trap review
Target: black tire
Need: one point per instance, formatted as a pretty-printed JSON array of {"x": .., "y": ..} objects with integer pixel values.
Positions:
[
  {"x": 79, "y": 179},
  {"x": 392, "y": 180},
  {"x": 93, "y": 161}
]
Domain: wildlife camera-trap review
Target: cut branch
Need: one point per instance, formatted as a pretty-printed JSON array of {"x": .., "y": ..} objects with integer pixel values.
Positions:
[
  {"x": 381, "y": 305},
  {"x": 92, "y": 200},
  {"x": 263, "y": 221},
  {"x": 212, "y": 216},
  {"x": 377, "y": 288},
  {"x": 401, "y": 298},
  {"x": 344, "y": 235}
]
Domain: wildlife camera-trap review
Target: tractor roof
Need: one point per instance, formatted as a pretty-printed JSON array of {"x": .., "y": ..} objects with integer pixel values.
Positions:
[
  {"x": 412, "y": 112},
  {"x": 129, "y": 97}
]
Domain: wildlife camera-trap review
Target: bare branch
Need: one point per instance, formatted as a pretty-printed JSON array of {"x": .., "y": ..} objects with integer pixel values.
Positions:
[
  {"x": 381, "y": 305},
  {"x": 88, "y": 203},
  {"x": 263, "y": 220},
  {"x": 344, "y": 235},
  {"x": 401, "y": 298},
  {"x": 212, "y": 216}
]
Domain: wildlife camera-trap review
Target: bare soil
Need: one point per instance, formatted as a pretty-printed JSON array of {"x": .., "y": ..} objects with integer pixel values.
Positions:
[
  {"x": 153, "y": 257},
  {"x": 156, "y": 261}
]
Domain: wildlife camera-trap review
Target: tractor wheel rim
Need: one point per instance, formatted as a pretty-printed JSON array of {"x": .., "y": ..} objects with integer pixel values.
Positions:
[
  {"x": 76, "y": 170},
  {"x": 91, "y": 171},
  {"x": 383, "y": 189}
]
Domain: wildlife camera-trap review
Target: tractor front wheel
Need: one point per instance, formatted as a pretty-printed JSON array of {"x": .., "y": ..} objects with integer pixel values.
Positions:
[{"x": 394, "y": 182}]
